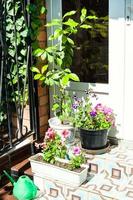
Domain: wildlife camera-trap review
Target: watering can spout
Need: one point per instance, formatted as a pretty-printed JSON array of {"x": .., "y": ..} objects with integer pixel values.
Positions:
[{"x": 9, "y": 177}]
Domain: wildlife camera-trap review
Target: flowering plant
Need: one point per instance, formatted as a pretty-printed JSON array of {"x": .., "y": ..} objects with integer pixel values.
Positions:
[
  {"x": 91, "y": 117},
  {"x": 54, "y": 147}
]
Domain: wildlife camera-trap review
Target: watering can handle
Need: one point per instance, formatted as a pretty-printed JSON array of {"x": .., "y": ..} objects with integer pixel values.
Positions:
[{"x": 9, "y": 177}]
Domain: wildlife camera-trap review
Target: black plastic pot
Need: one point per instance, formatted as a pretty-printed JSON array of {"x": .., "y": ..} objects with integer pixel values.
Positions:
[{"x": 93, "y": 139}]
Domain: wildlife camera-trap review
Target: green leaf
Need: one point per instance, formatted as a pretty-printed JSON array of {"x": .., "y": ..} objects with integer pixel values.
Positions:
[
  {"x": 74, "y": 77},
  {"x": 64, "y": 39},
  {"x": 83, "y": 14},
  {"x": 23, "y": 52},
  {"x": 51, "y": 37},
  {"x": 37, "y": 76},
  {"x": 70, "y": 41},
  {"x": 50, "y": 58},
  {"x": 35, "y": 69},
  {"x": 65, "y": 80},
  {"x": 71, "y": 23},
  {"x": 55, "y": 106},
  {"x": 69, "y": 13},
  {"x": 56, "y": 76},
  {"x": 43, "y": 56},
  {"x": 38, "y": 52},
  {"x": 43, "y": 10},
  {"x": 67, "y": 70},
  {"x": 91, "y": 17},
  {"x": 54, "y": 22},
  {"x": 57, "y": 33},
  {"x": 44, "y": 68},
  {"x": 85, "y": 26},
  {"x": 59, "y": 61}
]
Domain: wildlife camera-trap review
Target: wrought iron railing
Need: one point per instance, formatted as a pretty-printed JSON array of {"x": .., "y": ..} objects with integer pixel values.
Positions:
[{"x": 22, "y": 87}]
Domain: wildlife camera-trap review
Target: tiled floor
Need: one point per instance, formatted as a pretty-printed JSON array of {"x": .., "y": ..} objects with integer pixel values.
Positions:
[{"x": 110, "y": 178}]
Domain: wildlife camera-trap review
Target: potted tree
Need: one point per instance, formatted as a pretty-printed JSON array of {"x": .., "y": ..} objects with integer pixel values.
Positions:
[
  {"x": 59, "y": 56},
  {"x": 93, "y": 121},
  {"x": 56, "y": 163}
]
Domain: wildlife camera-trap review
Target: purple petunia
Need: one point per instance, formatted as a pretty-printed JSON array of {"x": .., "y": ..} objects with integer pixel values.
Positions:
[
  {"x": 93, "y": 113},
  {"x": 74, "y": 106}
]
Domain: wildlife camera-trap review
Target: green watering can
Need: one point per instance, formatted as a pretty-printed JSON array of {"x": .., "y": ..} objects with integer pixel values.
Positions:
[{"x": 24, "y": 188}]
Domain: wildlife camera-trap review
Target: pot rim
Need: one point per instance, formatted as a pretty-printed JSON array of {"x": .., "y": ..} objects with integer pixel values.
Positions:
[
  {"x": 94, "y": 130},
  {"x": 59, "y": 125},
  {"x": 85, "y": 167}
]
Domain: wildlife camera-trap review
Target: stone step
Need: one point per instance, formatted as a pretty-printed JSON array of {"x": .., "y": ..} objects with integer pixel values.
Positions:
[
  {"x": 110, "y": 177},
  {"x": 19, "y": 168},
  {"x": 28, "y": 172},
  {"x": 98, "y": 187},
  {"x": 117, "y": 163}
]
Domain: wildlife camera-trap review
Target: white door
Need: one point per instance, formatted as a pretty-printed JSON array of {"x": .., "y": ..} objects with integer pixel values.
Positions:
[
  {"x": 116, "y": 91},
  {"x": 128, "y": 75}
]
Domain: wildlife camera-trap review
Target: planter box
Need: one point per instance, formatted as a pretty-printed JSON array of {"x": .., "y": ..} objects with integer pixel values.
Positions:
[{"x": 53, "y": 172}]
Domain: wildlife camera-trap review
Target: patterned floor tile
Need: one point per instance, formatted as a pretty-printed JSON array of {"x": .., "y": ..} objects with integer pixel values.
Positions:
[{"x": 110, "y": 178}]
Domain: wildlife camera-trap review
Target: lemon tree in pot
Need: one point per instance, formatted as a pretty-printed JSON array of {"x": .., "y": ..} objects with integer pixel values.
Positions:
[
  {"x": 93, "y": 121},
  {"x": 59, "y": 56}
]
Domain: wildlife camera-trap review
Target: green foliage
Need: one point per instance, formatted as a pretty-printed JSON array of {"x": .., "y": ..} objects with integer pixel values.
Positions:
[
  {"x": 16, "y": 35},
  {"x": 54, "y": 147},
  {"x": 77, "y": 161},
  {"x": 59, "y": 55}
]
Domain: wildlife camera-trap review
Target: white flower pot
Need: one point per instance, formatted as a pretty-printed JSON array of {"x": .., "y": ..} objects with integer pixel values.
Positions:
[
  {"x": 46, "y": 170},
  {"x": 56, "y": 124}
]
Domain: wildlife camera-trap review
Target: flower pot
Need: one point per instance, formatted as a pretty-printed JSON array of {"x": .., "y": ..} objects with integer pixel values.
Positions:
[
  {"x": 93, "y": 139},
  {"x": 56, "y": 124},
  {"x": 46, "y": 170}
]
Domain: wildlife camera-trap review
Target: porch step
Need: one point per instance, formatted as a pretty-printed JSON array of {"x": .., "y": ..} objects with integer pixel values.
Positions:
[
  {"x": 117, "y": 163},
  {"x": 19, "y": 168},
  {"x": 28, "y": 172},
  {"x": 110, "y": 178}
]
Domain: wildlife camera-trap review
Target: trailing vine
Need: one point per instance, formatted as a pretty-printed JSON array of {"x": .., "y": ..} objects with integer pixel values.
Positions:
[{"x": 16, "y": 34}]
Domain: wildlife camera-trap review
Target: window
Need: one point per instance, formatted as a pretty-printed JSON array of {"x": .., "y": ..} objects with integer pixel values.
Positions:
[{"x": 91, "y": 53}]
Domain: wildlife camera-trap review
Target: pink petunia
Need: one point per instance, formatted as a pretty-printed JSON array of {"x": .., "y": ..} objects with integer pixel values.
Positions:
[
  {"x": 107, "y": 111},
  {"x": 65, "y": 133},
  {"x": 99, "y": 107},
  {"x": 40, "y": 145},
  {"x": 76, "y": 150},
  {"x": 50, "y": 134}
]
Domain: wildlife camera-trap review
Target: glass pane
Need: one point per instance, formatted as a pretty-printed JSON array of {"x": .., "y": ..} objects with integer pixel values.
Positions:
[{"x": 91, "y": 54}]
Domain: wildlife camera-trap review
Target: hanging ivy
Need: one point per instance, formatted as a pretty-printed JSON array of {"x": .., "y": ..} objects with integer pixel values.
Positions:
[{"x": 16, "y": 34}]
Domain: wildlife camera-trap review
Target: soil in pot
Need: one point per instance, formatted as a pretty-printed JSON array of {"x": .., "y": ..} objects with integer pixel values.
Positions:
[
  {"x": 59, "y": 164},
  {"x": 93, "y": 139}
]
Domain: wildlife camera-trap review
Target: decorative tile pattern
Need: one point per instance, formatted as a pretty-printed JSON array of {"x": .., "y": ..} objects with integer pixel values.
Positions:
[
  {"x": 93, "y": 168},
  {"x": 75, "y": 197},
  {"x": 130, "y": 194},
  {"x": 110, "y": 178},
  {"x": 116, "y": 173},
  {"x": 53, "y": 192},
  {"x": 106, "y": 187}
]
